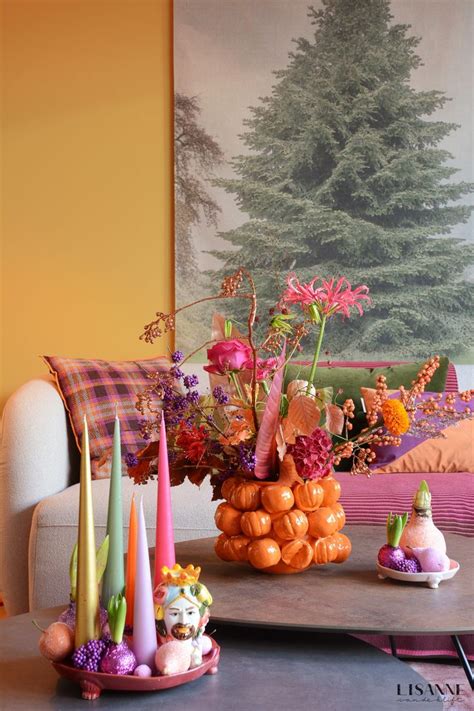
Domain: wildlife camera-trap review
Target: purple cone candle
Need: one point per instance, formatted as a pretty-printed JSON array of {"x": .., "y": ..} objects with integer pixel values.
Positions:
[
  {"x": 144, "y": 631},
  {"x": 164, "y": 544},
  {"x": 87, "y": 594}
]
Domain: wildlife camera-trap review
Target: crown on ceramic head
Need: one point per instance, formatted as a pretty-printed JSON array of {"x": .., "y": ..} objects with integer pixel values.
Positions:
[{"x": 180, "y": 576}]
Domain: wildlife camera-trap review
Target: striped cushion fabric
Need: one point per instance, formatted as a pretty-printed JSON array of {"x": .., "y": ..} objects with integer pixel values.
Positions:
[{"x": 94, "y": 388}]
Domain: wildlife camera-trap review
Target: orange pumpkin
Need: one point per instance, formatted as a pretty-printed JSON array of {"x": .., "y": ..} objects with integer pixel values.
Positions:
[
  {"x": 298, "y": 554},
  {"x": 290, "y": 525},
  {"x": 221, "y": 548},
  {"x": 332, "y": 490},
  {"x": 344, "y": 547},
  {"x": 325, "y": 550},
  {"x": 277, "y": 498},
  {"x": 256, "y": 523},
  {"x": 308, "y": 496},
  {"x": 228, "y": 519},
  {"x": 238, "y": 547},
  {"x": 340, "y": 515},
  {"x": 246, "y": 496},
  {"x": 322, "y": 522},
  {"x": 228, "y": 486},
  {"x": 263, "y": 553}
]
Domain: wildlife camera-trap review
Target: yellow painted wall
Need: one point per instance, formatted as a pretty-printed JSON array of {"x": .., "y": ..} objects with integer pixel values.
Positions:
[{"x": 87, "y": 179}]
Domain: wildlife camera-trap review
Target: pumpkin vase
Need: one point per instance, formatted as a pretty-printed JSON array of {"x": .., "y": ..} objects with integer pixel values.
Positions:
[{"x": 285, "y": 526}]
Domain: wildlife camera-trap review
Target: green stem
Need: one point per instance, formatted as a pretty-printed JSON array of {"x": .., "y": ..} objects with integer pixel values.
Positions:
[
  {"x": 314, "y": 365},
  {"x": 236, "y": 384}
]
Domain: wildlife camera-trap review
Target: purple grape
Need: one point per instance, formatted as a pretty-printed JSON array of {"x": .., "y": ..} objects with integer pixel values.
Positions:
[
  {"x": 89, "y": 655},
  {"x": 409, "y": 565}
]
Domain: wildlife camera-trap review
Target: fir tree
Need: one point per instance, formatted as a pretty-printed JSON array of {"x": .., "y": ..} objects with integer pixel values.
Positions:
[{"x": 345, "y": 175}]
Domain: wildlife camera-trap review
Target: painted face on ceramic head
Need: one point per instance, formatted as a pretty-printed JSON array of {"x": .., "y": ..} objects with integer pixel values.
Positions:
[
  {"x": 182, "y": 619},
  {"x": 181, "y": 604}
]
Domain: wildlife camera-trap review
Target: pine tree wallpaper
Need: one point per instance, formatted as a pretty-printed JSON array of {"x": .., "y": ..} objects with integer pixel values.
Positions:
[{"x": 334, "y": 139}]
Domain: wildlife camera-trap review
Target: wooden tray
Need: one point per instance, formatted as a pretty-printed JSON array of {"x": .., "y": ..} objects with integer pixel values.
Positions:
[{"x": 93, "y": 683}]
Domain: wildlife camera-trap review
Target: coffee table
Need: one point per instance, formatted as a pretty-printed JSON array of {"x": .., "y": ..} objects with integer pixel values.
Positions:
[
  {"x": 345, "y": 598},
  {"x": 260, "y": 668}
]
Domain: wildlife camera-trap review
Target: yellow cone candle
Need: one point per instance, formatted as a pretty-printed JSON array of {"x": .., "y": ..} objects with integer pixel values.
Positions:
[{"x": 87, "y": 596}]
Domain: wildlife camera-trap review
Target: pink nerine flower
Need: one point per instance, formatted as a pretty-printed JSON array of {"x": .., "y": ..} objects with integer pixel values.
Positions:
[
  {"x": 330, "y": 298},
  {"x": 313, "y": 454},
  {"x": 264, "y": 366},
  {"x": 228, "y": 356}
]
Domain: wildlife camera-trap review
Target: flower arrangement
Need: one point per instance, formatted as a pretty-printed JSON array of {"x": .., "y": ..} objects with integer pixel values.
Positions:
[{"x": 247, "y": 424}]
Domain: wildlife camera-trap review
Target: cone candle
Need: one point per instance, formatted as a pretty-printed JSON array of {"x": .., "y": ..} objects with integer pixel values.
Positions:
[
  {"x": 131, "y": 563},
  {"x": 164, "y": 545},
  {"x": 87, "y": 595},
  {"x": 144, "y": 630},
  {"x": 114, "y": 582}
]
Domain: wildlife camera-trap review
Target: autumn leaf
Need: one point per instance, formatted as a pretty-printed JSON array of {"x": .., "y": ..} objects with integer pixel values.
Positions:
[
  {"x": 303, "y": 415},
  {"x": 334, "y": 419},
  {"x": 280, "y": 442}
]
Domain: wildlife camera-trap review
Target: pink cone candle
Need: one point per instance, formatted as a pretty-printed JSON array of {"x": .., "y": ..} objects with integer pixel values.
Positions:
[
  {"x": 144, "y": 631},
  {"x": 164, "y": 545},
  {"x": 131, "y": 563},
  {"x": 87, "y": 595}
]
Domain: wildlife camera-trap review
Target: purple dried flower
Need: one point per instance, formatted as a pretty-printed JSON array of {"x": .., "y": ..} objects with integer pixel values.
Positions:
[
  {"x": 220, "y": 395},
  {"x": 190, "y": 381},
  {"x": 131, "y": 459},
  {"x": 193, "y": 397},
  {"x": 177, "y": 356},
  {"x": 176, "y": 372},
  {"x": 246, "y": 457}
]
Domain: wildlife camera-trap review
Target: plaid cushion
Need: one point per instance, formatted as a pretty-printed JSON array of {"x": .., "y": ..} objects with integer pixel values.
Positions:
[{"x": 94, "y": 388}]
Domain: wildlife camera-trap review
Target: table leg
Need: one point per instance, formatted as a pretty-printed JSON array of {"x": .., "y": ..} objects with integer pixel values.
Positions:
[
  {"x": 463, "y": 659},
  {"x": 393, "y": 646}
]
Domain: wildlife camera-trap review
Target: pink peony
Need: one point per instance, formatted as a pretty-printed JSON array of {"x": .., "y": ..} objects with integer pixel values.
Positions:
[
  {"x": 228, "y": 356},
  {"x": 264, "y": 367},
  {"x": 313, "y": 454}
]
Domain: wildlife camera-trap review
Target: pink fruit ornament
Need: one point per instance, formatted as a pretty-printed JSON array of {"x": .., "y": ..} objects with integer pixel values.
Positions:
[
  {"x": 206, "y": 645},
  {"x": 432, "y": 560},
  {"x": 57, "y": 641},
  {"x": 173, "y": 657}
]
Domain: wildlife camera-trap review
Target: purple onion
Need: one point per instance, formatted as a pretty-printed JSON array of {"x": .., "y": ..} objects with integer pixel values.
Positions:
[
  {"x": 118, "y": 659},
  {"x": 391, "y": 556}
]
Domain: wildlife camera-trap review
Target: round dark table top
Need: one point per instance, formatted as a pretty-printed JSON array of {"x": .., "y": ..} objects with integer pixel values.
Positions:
[
  {"x": 339, "y": 598},
  {"x": 259, "y": 669}
]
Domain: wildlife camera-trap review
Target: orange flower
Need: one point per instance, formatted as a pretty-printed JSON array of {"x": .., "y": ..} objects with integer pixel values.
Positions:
[{"x": 395, "y": 417}]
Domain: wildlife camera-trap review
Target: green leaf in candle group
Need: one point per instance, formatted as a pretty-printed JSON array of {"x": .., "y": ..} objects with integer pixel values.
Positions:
[
  {"x": 73, "y": 573},
  {"x": 116, "y": 613},
  {"x": 101, "y": 558}
]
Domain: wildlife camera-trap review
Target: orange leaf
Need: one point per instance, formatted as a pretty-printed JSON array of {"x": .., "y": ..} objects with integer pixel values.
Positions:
[
  {"x": 303, "y": 415},
  {"x": 334, "y": 419}
]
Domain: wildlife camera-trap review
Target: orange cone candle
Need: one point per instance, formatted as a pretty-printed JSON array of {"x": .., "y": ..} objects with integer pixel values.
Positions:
[{"x": 131, "y": 563}]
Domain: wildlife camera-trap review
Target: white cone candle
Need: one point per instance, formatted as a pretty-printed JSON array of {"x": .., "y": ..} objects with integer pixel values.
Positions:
[{"x": 144, "y": 630}]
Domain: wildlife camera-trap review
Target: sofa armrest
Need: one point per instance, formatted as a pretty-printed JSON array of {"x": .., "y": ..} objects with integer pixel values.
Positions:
[{"x": 37, "y": 459}]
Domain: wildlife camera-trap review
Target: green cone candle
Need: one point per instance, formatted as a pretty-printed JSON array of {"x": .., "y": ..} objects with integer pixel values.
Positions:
[{"x": 114, "y": 576}]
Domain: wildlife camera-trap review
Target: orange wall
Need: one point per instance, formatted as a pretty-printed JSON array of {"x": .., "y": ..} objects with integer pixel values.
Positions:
[{"x": 87, "y": 179}]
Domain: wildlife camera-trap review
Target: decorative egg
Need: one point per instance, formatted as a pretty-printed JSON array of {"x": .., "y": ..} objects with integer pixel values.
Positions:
[
  {"x": 264, "y": 552},
  {"x": 290, "y": 525},
  {"x": 256, "y": 523},
  {"x": 322, "y": 522},
  {"x": 57, "y": 642},
  {"x": 277, "y": 498},
  {"x": 173, "y": 657},
  {"x": 308, "y": 496},
  {"x": 331, "y": 488},
  {"x": 228, "y": 519},
  {"x": 142, "y": 670}
]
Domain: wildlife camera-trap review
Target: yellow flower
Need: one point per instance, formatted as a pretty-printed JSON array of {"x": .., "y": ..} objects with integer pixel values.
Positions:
[{"x": 395, "y": 417}]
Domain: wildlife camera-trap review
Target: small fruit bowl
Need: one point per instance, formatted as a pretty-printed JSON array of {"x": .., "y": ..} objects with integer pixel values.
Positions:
[
  {"x": 92, "y": 683},
  {"x": 432, "y": 580}
]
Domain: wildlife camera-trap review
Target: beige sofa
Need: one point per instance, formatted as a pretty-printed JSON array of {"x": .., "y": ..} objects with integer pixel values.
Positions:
[{"x": 39, "y": 494}]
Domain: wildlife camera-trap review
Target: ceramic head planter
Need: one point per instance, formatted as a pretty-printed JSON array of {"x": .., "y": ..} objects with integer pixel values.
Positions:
[{"x": 182, "y": 608}]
